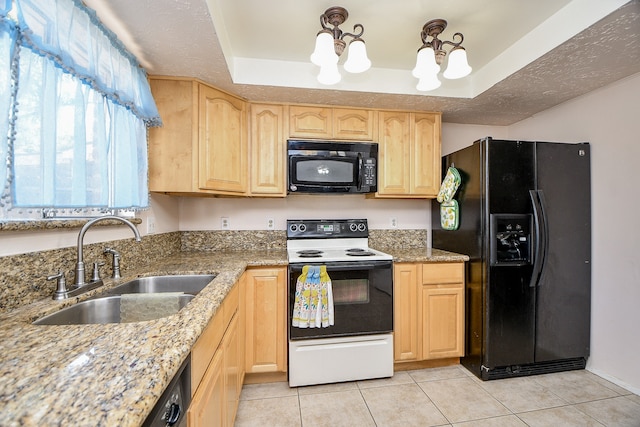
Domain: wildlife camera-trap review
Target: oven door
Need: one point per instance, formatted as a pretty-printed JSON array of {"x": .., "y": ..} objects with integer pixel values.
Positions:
[{"x": 362, "y": 298}]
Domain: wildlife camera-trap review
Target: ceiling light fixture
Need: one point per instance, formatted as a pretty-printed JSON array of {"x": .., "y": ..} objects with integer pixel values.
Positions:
[
  {"x": 330, "y": 45},
  {"x": 431, "y": 54}
]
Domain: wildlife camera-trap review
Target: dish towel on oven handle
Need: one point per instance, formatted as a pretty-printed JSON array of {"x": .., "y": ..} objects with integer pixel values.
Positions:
[{"x": 313, "y": 304}]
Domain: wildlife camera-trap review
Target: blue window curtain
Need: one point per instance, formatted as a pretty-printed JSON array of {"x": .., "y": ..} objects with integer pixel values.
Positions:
[
  {"x": 83, "y": 105},
  {"x": 7, "y": 43}
]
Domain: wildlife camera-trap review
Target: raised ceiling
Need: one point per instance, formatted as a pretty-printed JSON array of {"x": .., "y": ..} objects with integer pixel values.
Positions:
[{"x": 526, "y": 56}]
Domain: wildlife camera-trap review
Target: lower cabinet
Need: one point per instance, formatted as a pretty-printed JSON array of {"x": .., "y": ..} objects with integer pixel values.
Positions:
[
  {"x": 216, "y": 369},
  {"x": 429, "y": 311},
  {"x": 265, "y": 317}
]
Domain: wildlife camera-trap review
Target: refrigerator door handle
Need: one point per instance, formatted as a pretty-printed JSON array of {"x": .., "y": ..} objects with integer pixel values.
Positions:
[{"x": 541, "y": 234}]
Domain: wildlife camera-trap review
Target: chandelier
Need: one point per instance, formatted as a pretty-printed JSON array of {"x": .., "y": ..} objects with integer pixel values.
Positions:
[
  {"x": 330, "y": 44},
  {"x": 431, "y": 55}
]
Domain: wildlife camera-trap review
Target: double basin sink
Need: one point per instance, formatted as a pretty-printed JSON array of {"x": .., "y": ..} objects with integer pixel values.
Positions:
[{"x": 122, "y": 303}]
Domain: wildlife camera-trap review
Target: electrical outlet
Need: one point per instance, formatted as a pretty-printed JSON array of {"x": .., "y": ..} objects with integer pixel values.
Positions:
[
  {"x": 271, "y": 224},
  {"x": 394, "y": 222},
  {"x": 151, "y": 224},
  {"x": 224, "y": 223}
]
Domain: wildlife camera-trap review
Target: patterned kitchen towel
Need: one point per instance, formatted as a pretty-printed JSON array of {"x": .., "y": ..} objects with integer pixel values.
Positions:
[
  {"x": 313, "y": 304},
  {"x": 449, "y": 215},
  {"x": 449, "y": 186}
]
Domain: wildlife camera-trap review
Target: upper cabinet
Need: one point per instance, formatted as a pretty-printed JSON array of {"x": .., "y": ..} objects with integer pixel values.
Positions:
[
  {"x": 201, "y": 147},
  {"x": 214, "y": 143},
  {"x": 332, "y": 123},
  {"x": 409, "y": 154},
  {"x": 222, "y": 142},
  {"x": 268, "y": 157}
]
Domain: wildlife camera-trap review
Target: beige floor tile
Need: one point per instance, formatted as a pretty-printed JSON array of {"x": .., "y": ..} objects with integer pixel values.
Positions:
[
  {"x": 608, "y": 384},
  {"x": 344, "y": 408},
  {"x": 522, "y": 394},
  {"x": 277, "y": 412},
  {"x": 565, "y": 416},
  {"x": 403, "y": 405},
  {"x": 617, "y": 411},
  {"x": 505, "y": 421},
  {"x": 433, "y": 374},
  {"x": 575, "y": 386},
  {"x": 634, "y": 398},
  {"x": 267, "y": 390},
  {"x": 462, "y": 399},
  {"x": 397, "y": 379},
  {"x": 326, "y": 388}
]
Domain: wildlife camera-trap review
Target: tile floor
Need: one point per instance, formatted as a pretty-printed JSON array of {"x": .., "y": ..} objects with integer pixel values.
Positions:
[{"x": 449, "y": 396}]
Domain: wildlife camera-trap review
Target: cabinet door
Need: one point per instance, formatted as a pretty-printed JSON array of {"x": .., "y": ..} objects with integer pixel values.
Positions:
[
  {"x": 394, "y": 177},
  {"x": 265, "y": 345},
  {"x": 268, "y": 150},
  {"x": 443, "y": 320},
  {"x": 222, "y": 142},
  {"x": 407, "y": 329},
  {"x": 359, "y": 125},
  {"x": 231, "y": 371},
  {"x": 208, "y": 405},
  {"x": 173, "y": 148},
  {"x": 425, "y": 159},
  {"x": 310, "y": 122}
]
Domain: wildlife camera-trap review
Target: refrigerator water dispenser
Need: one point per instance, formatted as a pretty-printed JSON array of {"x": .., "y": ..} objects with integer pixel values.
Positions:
[{"x": 511, "y": 239}]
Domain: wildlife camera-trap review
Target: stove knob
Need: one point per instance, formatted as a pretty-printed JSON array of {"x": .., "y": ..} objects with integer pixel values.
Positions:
[
  {"x": 362, "y": 227},
  {"x": 302, "y": 228},
  {"x": 353, "y": 226},
  {"x": 293, "y": 227}
]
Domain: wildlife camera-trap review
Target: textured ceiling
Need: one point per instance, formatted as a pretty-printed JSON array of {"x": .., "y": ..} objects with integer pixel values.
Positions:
[{"x": 178, "y": 37}]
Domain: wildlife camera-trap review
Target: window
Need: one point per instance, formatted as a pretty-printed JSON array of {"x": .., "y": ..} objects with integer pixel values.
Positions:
[{"x": 74, "y": 113}]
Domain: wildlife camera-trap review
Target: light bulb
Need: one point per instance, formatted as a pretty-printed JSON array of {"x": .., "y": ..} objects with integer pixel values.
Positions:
[
  {"x": 329, "y": 74},
  {"x": 457, "y": 67},
  {"x": 357, "y": 61},
  {"x": 324, "y": 52},
  {"x": 427, "y": 83},
  {"x": 425, "y": 63}
]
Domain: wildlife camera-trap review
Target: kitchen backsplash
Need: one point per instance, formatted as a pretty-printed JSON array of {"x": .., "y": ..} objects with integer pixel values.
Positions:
[{"x": 23, "y": 277}]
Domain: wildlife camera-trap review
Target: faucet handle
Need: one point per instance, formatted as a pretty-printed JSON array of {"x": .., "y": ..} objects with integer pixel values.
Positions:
[
  {"x": 96, "y": 271},
  {"x": 61, "y": 288}
]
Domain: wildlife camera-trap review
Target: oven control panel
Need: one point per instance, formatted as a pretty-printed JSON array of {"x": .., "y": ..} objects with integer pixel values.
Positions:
[{"x": 326, "y": 228}]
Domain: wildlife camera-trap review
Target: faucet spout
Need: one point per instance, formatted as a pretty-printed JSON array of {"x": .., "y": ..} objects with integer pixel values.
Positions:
[{"x": 80, "y": 274}]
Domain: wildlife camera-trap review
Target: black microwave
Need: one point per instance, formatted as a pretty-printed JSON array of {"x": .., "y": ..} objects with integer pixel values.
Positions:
[{"x": 332, "y": 167}]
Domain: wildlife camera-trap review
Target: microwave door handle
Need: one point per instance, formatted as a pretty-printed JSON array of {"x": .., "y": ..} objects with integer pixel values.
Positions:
[{"x": 360, "y": 171}]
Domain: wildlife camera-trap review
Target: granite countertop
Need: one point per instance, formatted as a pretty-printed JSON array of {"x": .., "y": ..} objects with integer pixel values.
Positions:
[
  {"x": 113, "y": 374},
  {"x": 422, "y": 254}
]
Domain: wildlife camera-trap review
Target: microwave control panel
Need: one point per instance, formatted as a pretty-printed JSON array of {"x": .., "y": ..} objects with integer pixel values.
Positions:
[{"x": 369, "y": 175}]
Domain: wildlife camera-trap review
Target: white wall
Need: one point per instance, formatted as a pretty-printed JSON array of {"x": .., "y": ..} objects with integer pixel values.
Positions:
[
  {"x": 252, "y": 214},
  {"x": 608, "y": 118},
  {"x": 455, "y": 136}
]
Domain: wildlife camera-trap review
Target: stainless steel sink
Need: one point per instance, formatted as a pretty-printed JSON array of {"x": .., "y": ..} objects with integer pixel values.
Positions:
[
  {"x": 102, "y": 310},
  {"x": 187, "y": 283}
]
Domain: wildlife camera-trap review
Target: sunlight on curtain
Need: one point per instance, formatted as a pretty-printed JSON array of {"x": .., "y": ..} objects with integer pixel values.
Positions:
[
  {"x": 84, "y": 105},
  {"x": 7, "y": 43}
]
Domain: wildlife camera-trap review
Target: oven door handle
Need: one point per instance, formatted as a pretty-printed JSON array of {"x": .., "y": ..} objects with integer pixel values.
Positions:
[{"x": 343, "y": 266}]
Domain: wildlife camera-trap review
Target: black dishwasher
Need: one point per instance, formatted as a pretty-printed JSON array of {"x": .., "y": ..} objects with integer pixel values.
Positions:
[{"x": 171, "y": 408}]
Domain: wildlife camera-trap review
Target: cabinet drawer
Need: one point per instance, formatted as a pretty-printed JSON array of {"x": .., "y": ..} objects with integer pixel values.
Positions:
[
  {"x": 205, "y": 347},
  {"x": 230, "y": 305},
  {"x": 445, "y": 272}
]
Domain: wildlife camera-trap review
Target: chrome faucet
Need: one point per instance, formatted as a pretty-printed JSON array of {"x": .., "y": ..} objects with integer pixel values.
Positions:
[
  {"x": 115, "y": 268},
  {"x": 80, "y": 275}
]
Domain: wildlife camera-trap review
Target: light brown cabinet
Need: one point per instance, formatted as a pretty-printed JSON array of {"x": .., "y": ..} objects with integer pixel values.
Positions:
[
  {"x": 268, "y": 124},
  {"x": 332, "y": 123},
  {"x": 429, "y": 311},
  {"x": 265, "y": 316},
  {"x": 406, "y": 338},
  {"x": 201, "y": 147},
  {"x": 216, "y": 368},
  {"x": 222, "y": 144},
  {"x": 409, "y": 154}
]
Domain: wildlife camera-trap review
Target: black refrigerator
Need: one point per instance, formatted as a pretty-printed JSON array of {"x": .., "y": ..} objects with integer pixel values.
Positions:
[{"x": 525, "y": 221}]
